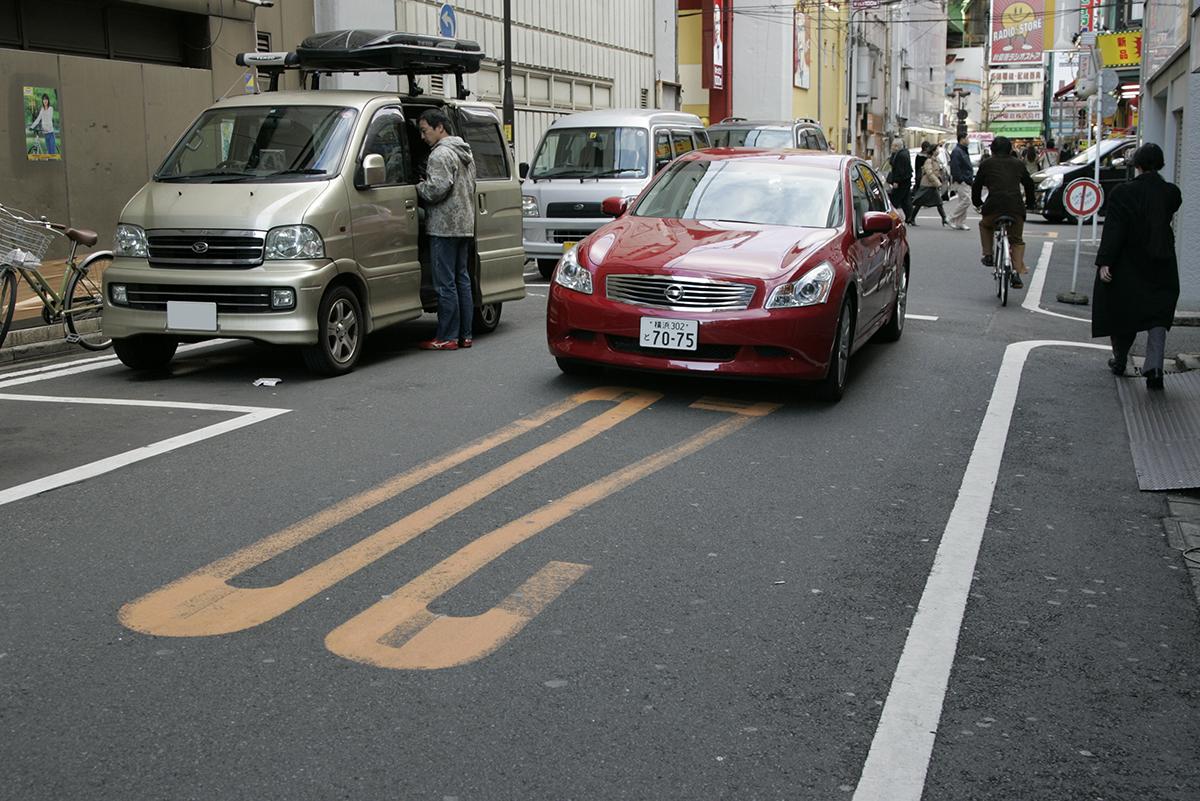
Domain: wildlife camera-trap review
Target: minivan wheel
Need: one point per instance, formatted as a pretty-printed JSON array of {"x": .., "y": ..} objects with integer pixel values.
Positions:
[
  {"x": 340, "y": 334},
  {"x": 145, "y": 352},
  {"x": 486, "y": 318},
  {"x": 546, "y": 267}
]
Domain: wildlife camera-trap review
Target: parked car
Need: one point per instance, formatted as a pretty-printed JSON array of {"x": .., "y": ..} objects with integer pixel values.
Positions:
[
  {"x": 584, "y": 158},
  {"x": 803, "y": 133},
  {"x": 751, "y": 263},
  {"x": 1114, "y": 169},
  {"x": 292, "y": 217}
]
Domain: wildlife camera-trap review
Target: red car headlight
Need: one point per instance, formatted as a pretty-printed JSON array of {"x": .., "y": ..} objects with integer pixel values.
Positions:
[
  {"x": 810, "y": 289},
  {"x": 573, "y": 275}
]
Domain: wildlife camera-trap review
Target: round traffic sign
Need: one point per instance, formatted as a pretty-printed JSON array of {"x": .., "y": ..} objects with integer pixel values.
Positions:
[
  {"x": 1083, "y": 197},
  {"x": 447, "y": 21}
]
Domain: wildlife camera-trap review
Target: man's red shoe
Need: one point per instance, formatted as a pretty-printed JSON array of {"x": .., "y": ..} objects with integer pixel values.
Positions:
[{"x": 439, "y": 344}]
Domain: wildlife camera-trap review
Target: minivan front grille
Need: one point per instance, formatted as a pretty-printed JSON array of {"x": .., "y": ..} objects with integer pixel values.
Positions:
[
  {"x": 205, "y": 248},
  {"x": 574, "y": 210},
  {"x": 229, "y": 299},
  {"x": 679, "y": 293},
  {"x": 567, "y": 235}
]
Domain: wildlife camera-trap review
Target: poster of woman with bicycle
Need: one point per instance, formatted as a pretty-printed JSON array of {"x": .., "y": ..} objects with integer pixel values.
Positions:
[{"x": 43, "y": 124}]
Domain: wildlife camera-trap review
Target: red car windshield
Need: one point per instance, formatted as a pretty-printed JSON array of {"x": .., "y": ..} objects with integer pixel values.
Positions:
[{"x": 768, "y": 192}]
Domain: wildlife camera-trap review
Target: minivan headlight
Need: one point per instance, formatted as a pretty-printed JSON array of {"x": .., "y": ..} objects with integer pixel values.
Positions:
[
  {"x": 572, "y": 274},
  {"x": 1051, "y": 182},
  {"x": 529, "y": 207},
  {"x": 294, "y": 242},
  {"x": 809, "y": 290},
  {"x": 130, "y": 241}
]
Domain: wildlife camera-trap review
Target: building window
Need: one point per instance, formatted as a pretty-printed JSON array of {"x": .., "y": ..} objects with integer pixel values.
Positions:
[
  {"x": 1016, "y": 89},
  {"x": 531, "y": 88},
  {"x": 264, "y": 42},
  {"x": 128, "y": 31}
]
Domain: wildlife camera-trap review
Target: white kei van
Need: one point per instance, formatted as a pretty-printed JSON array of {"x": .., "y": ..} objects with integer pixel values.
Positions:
[{"x": 587, "y": 157}]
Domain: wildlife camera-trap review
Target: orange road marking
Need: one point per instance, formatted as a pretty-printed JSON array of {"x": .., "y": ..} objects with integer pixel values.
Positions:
[
  {"x": 400, "y": 632},
  {"x": 205, "y": 604}
]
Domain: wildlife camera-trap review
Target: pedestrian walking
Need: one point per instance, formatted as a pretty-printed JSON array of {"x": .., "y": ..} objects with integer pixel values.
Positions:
[
  {"x": 1031, "y": 160},
  {"x": 448, "y": 193},
  {"x": 931, "y": 179},
  {"x": 961, "y": 176},
  {"x": 1137, "y": 277},
  {"x": 901, "y": 177},
  {"x": 1004, "y": 176}
]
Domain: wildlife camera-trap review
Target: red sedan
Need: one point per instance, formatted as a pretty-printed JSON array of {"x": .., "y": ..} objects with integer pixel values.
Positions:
[{"x": 738, "y": 262}]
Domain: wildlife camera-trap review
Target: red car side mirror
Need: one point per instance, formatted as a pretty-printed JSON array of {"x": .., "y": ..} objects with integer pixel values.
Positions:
[
  {"x": 877, "y": 222},
  {"x": 613, "y": 206}
]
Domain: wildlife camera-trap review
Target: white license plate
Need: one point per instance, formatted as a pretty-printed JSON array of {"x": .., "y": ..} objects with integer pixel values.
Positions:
[
  {"x": 188, "y": 316},
  {"x": 661, "y": 332},
  {"x": 568, "y": 245}
]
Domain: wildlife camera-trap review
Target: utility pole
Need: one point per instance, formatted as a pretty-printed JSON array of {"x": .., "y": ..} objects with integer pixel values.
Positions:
[
  {"x": 509, "y": 113},
  {"x": 852, "y": 104}
]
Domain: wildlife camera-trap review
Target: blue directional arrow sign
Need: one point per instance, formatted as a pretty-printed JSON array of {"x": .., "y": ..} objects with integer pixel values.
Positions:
[{"x": 447, "y": 21}]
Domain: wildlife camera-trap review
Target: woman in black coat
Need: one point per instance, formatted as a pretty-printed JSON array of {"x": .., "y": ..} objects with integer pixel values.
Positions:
[{"x": 1137, "y": 283}]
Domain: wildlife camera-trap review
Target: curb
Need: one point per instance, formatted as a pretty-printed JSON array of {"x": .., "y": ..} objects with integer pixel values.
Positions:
[{"x": 38, "y": 342}]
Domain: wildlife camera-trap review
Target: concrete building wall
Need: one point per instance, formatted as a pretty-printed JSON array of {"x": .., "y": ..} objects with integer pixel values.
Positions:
[
  {"x": 1187, "y": 224},
  {"x": 762, "y": 59},
  {"x": 119, "y": 118},
  {"x": 586, "y": 55}
]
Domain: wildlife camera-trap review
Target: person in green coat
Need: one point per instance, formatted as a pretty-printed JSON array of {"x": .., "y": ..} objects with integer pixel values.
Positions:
[{"x": 1137, "y": 276}]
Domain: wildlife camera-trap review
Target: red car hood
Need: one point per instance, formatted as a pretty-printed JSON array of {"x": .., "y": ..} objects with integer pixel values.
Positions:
[{"x": 705, "y": 247}]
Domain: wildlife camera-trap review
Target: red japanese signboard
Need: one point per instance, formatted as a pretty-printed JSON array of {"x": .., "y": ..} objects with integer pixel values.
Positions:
[{"x": 1018, "y": 31}]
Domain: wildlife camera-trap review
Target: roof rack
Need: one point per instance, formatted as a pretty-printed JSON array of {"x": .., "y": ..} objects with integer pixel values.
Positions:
[
  {"x": 732, "y": 119},
  {"x": 360, "y": 50}
]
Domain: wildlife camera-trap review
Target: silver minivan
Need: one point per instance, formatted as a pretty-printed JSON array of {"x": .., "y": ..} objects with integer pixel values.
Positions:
[
  {"x": 587, "y": 157},
  {"x": 292, "y": 218}
]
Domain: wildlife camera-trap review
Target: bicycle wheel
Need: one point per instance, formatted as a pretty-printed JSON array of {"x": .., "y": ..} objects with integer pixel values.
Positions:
[
  {"x": 1006, "y": 273},
  {"x": 83, "y": 306},
  {"x": 998, "y": 265},
  {"x": 8, "y": 299}
]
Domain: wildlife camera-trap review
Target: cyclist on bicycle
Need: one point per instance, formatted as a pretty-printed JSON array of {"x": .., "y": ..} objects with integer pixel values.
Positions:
[{"x": 1003, "y": 175}]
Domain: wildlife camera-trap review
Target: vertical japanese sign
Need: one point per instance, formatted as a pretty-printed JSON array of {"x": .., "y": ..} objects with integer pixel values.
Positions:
[
  {"x": 1018, "y": 31},
  {"x": 42, "y": 123},
  {"x": 802, "y": 50},
  {"x": 718, "y": 45}
]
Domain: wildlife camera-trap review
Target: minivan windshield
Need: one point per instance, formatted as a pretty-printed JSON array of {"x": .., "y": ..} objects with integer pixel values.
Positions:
[
  {"x": 752, "y": 137},
  {"x": 592, "y": 153},
  {"x": 764, "y": 192},
  {"x": 261, "y": 143}
]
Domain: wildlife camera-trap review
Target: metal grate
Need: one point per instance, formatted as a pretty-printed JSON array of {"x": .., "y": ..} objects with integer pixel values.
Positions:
[
  {"x": 569, "y": 210},
  {"x": 562, "y": 235},
  {"x": 205, "y": 248},
  {"x": 154, "y": 297},
  {"x": 679, "y": 293}
]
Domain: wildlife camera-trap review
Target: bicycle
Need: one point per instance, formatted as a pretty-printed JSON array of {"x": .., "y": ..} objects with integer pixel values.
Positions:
[
  {"x": 79, "y": 301},
  {"x": 1002, "y": 268}
]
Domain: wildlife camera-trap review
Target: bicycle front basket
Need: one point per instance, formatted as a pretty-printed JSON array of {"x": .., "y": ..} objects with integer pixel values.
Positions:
[{"x": 22, "y": 243}]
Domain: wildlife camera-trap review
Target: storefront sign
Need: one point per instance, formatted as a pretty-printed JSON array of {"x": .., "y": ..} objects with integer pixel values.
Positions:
[
  {"x": 1120, "y": 49},
  {"x": 1018, "y": 31},
  {"x": 718, "y": 45},
  {"x": 43, "y": 124}
]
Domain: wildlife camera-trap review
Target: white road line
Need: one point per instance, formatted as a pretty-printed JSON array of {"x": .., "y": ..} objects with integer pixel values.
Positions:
[
  {"x": 249, "y": 415},
  {"x": 87, "y": 365},
  {"x": 903, "y": 744},
  {"x": 1033, "y": 298},
  {"x": 931, "y": 318}
]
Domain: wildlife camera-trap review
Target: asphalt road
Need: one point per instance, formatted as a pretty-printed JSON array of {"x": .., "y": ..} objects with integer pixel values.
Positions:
[{"x": 647, "y": 588}]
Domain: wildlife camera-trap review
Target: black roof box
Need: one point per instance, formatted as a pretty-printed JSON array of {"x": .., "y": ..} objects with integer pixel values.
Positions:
[{"x": 362, "y": 50}]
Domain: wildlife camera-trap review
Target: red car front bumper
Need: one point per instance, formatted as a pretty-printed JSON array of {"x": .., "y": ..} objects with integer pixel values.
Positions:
[{"x": 755, "y": 343}]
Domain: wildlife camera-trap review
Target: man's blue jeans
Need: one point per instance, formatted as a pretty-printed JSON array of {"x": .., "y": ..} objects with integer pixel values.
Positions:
[{"x": 452, "y": 281}]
